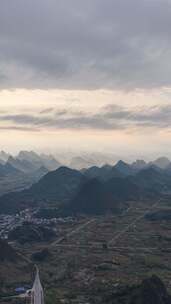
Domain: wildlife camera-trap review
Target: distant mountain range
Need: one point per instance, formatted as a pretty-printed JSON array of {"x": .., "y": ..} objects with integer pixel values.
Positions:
[
  {"x": 95, "y": 190},
  {"x": 20, "y": 172},
  {"x": 30, "y": 161},
  {"x": 58, "y": 186},
  {"x": 92, "y": 198},
  {"x": 4, "y": 156},
  {"x": 86, "y": 160}
]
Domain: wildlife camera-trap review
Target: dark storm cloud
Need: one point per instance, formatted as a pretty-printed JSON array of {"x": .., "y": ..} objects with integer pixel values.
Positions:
[
  {"x": 85, "y": 44},
  {"x": 107, "y": 118}
]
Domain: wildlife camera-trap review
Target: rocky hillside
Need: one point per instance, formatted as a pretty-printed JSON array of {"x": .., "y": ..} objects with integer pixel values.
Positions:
[{"x": 150, "y": 291}]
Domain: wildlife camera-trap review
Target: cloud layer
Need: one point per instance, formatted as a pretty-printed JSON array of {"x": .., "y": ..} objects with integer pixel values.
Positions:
[
  {"x": 80, "y": 44},
  {"x": 110, "y": 117}
]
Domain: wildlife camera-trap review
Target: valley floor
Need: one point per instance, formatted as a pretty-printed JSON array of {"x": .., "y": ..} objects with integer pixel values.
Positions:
[{"x": 95, "y": 256}]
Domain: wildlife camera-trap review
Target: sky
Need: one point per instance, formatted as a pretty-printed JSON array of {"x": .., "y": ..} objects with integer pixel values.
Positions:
[{"x": 88, "y": 75}]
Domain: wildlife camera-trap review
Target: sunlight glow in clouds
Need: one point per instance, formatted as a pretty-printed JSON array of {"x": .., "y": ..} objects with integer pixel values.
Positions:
[
  {"x": 100, "y": 120},
  {"x": 86, "y": 75}
]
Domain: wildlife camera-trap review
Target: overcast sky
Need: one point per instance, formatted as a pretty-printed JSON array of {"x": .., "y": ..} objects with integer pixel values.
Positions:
[{"x": 86, "y": 75}]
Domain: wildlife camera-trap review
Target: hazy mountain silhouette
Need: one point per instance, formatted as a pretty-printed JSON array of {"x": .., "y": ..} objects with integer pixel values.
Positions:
[
  {"x": 124, "y": 168},
  {"x": 92, "y": 198},
  {"x": 102, "y": 173},
  {"x": 152, "y": 178},
  {"x": 59, "y": 185},
  {"x": 162, "y": 162},
  {"x": 8, "y": 169}
]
